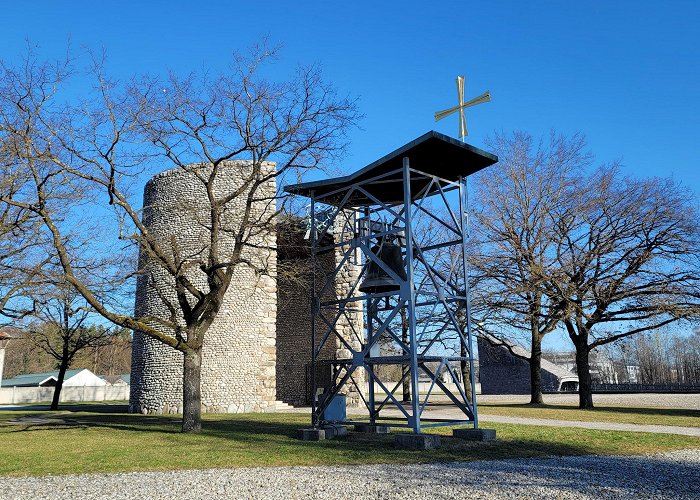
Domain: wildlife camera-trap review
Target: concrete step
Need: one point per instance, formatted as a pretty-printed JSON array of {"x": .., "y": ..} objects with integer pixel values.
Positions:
[{"x": 278, "y": 406}]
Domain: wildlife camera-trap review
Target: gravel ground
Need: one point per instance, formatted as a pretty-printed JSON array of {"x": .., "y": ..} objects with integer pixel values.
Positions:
[{"x": 670, "y": 475}]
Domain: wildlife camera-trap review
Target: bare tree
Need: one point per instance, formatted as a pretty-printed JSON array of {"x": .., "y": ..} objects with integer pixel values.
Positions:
[
  {"x": 628, "y": 259},
  {"x": 122, "y": 134},
  {"x": 22, "y": 251},
  {"x": 61, "y": 329},
  {"x": 666, "y": 357},
  {"x": 112, "y": 357},
  {"x": 515, "y": 243}
]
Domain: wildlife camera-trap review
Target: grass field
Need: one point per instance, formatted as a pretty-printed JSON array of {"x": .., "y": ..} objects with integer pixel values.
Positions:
[
  {"x": 617, "y": 414},
  {"x": 102, "y": 439}
]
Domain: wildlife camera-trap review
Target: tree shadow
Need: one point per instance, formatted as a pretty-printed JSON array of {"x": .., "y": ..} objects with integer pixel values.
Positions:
[
  {"x": 256, "y": 430},
  {"x": 230, "y": 427},
  {"x": 72, "y": 407}
]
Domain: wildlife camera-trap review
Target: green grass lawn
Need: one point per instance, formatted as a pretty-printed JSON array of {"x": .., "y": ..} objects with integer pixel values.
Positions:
[
  {"x": 102, "y": 439},
  {"x": 617, "y": 414}
]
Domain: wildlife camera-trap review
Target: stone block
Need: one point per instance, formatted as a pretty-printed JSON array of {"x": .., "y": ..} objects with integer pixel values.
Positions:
[
  {"x": 372, "y": 428},
  {"x": 417, "y": 441},
  {"x": 475, "y": 434},
  {"x": 334, "y": 431},
  {"x": 312, "y": 434}
]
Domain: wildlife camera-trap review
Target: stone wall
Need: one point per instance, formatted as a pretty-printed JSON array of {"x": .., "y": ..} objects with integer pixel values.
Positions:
[
  {"x": 258, "y": 349},
  {"x": 239, "y": 354},
  {"x": 294, "y": 315},
  {"x": 502, "y": 373},
  {"x": 294, "y": 384}
]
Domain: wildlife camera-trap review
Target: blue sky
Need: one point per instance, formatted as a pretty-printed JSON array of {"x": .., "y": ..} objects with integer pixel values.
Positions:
[{"x": 625, "y": 73}]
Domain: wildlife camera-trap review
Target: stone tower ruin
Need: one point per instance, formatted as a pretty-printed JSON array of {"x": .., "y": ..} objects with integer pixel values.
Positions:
[{"x": 256, "y": 351}]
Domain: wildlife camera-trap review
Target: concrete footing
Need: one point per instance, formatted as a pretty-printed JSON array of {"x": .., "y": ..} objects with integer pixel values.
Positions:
[
  {"x": 417, "y": 441},
  {"x": 475, "y": 434},
  {"x": 334, "y": 431},
  {"x": 372, "y": 428},
  {"x": 325, "y": 432},
  {"x": 312, "y": 434}
]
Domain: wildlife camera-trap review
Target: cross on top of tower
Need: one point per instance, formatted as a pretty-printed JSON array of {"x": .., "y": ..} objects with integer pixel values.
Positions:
[{"x": 485, "y": 97}]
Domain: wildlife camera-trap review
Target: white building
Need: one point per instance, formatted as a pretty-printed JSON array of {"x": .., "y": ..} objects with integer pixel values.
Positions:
[{"x": 73, "y": 378}]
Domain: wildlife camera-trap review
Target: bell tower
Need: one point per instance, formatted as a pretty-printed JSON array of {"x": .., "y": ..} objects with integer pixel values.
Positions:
[{"x": 404, "y": 220}]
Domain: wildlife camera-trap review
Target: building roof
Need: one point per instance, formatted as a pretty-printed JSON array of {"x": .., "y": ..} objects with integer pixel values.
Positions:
[
  {"x": 558, "y": 371},
  {"x": 125, "y": 377},
  {"x": 4, "y": 338},
  {"x": 37, "y": 379},
  {"x": 433, "y": 153}
]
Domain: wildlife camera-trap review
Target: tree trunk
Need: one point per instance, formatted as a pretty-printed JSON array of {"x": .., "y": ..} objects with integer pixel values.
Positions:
[
  {"x": 583, "y": 370},
  {"x": 536, "y": 370},
  {"x": 192, "y": 391},
  {"x": 59, "y": 383}
]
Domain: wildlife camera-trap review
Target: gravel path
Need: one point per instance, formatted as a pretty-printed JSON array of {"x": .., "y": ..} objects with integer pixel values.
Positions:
[
  {"x": 671, "y": 475},
  {"x": 608, "y": 426},
  {"x": 686, "y": 401}
]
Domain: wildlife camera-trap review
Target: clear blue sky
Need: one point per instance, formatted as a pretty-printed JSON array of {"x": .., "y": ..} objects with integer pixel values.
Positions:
[{"x": 626, "y": 73}]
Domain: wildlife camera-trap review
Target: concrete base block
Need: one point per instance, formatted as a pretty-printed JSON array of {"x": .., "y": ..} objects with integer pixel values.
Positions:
[
  {"x": 372, "y": 428},
  {"x": 475, "y": 434},
  {"x": 334, "y": 431},
  {"x": 312, "y": 434},
  {"x": 417, "y": 441}
]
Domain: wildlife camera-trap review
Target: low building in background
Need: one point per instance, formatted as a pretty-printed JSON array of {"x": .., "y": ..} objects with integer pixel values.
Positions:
[
  {"x": 118, "y": 380},
  {"x": 78, "y": 385},
  {"x": 504, "y": 369},
  {"x": 73, "y": 378}
]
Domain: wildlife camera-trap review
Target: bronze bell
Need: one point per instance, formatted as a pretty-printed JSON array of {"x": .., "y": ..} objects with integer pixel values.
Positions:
[{"x": 377, "y": 280}]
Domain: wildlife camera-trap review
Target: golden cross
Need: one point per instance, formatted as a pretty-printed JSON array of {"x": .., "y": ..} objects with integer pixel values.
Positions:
[{"x": 485, "y": 97}]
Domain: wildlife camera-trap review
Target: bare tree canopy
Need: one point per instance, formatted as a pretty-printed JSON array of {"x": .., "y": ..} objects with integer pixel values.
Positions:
[
  {"x": 62, "y": 328},
  {"x": 628, "y": 252},
  {"x": 513, "y": 240},
  {"x": 84, "y": 158},
  {"x": 600, "y": 254}
]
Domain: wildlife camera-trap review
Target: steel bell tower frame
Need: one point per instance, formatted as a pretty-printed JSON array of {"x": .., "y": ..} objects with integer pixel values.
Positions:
[{"x": 418, "y": 333}]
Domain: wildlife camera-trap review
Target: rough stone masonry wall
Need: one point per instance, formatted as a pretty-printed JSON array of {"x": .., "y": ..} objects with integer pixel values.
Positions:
[
  {"x": 294, "y": 312},
  {"x": 238, "y": 365},
  {"x": 294, "y": 282},
  {"x": 351, "y": 324}
]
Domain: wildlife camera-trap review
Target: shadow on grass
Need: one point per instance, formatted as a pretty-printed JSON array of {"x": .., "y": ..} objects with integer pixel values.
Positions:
[
  {"x": 280, "y": 431},
  {"x": 119, "y": 407},
  {"x": 226, "y": 426},
  {"x": 271, "y": 440}
]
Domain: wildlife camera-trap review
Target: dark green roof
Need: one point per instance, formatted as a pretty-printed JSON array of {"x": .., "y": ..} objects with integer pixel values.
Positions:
[{"x": 34, "y": 379}]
